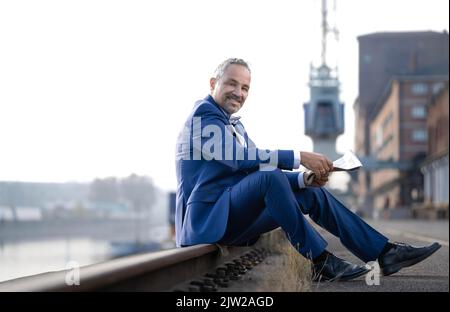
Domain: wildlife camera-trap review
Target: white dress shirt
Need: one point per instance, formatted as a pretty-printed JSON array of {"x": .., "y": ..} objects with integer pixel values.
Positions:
[{"x": 297, "y": 157}]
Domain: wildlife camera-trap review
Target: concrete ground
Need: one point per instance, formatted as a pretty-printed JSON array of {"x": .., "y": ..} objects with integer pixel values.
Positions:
[{"x": 430, "y": 275}]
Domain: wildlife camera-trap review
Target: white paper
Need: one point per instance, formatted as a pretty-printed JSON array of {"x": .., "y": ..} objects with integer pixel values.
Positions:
[{"x": 348, "y": 161}]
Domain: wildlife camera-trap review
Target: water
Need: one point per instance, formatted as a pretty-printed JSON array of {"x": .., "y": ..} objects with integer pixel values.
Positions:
[
  {"x": 35, "y": 244},
  {"x": 28, "y": 258}
]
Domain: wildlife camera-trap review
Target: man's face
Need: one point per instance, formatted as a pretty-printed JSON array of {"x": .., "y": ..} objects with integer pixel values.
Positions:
[{"x": 231, "y": 90}]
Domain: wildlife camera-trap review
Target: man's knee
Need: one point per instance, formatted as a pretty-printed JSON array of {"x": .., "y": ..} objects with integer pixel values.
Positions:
[
  {"x": 312, "y": 198},
  {"x": 316, "y": 191}
]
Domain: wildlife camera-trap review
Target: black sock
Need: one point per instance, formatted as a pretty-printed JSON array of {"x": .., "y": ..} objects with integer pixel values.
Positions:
[
  {"x": 321, "y": 257},
  {"x": 386, "y": 248}
]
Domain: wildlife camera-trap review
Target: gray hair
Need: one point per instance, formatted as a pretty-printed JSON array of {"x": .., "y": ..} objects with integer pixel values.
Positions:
[{"x": 220, "y": 70}]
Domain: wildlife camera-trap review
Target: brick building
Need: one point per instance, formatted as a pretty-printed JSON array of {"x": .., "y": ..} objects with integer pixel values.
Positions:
[
  {"x": 435, "y": 168},
  {"x": 398, "y": 133},
  {"x": 387, "y": 61}
]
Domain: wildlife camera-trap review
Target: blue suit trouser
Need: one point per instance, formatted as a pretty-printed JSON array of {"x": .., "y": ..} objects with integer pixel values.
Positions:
[{"x": 264, "y": 200}]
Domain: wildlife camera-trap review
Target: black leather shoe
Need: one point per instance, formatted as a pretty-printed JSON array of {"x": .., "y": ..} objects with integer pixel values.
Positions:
[
  {"x": 403, "y": 255},
  {"x": 336, "y": 269}
]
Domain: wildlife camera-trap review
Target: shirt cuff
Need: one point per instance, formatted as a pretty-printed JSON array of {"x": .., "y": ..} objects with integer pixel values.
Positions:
[
  {"x": 301, "y": 182},
  {"x": 296, "y": 160}
]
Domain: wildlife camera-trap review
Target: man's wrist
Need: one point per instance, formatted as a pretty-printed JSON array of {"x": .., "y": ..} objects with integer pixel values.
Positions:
[{"x": 301, "y": 181}]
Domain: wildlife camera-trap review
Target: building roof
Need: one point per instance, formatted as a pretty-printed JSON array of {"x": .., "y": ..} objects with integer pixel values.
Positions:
[{"x": 404, "y": 34}]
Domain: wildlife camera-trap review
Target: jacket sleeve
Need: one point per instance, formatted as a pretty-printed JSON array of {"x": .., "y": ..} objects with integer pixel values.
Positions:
[
  {"x": 213, "y": 139},
  {"x": 295, "y": 179}
]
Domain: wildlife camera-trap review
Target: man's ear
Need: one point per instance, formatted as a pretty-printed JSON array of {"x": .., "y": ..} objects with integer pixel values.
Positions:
[{"x": 212, "y": 83}]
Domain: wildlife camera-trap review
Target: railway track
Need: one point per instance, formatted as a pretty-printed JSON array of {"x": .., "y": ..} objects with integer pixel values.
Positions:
[{"x": 196, "y": 268}]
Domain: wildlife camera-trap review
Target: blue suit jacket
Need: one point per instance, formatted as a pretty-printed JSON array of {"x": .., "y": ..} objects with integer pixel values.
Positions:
[{"x": 203, "y": 190}]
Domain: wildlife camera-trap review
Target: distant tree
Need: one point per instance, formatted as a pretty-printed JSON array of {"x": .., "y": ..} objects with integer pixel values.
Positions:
[
  {"x": 104, "y": 190},
  {"x": 140, "y": 192}
]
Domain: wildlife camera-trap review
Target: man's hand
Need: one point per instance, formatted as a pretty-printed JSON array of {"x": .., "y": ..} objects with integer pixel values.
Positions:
[
  {"x": 317, "y": 163},
  {"x": 320, "y": 182},
  {"x": 310, "y": 179}
]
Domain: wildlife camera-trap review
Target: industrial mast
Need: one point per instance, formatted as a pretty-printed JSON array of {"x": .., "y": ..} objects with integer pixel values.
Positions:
[{"x": 324, "y": 113}]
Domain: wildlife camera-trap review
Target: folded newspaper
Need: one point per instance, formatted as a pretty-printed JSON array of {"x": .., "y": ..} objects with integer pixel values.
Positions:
[{"x": 348, "y": 162}]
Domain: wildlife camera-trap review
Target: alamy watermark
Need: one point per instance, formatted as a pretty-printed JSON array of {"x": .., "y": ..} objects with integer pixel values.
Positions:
[
  {"x": 373, "y": 276},
  {"x": 73, "y": 273}
]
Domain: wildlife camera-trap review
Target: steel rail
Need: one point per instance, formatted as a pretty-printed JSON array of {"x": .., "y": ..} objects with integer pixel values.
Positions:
[{"x": 155, "y": 271}]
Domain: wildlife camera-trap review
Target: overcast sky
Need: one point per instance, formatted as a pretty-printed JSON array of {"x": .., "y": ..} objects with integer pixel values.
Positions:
[{"x": 101, "y": 88}]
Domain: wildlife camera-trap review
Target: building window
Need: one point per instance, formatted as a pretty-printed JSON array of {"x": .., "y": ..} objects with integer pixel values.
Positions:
[
  {"x": 419, "y": 135},
  {"x": 419, "y": 88},
  {"x": 437, "y": 87},
  {"x": 418, "y": 112}
]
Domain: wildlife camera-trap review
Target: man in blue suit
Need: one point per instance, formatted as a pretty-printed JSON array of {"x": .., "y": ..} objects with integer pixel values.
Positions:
[{"x": 230, "y": 192}]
